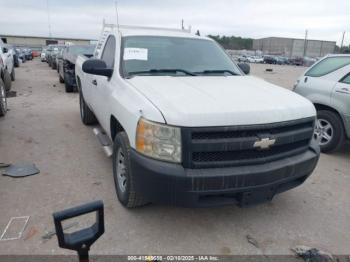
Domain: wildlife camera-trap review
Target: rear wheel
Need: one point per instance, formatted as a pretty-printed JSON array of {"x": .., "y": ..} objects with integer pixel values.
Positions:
[
  {"x": 123, "y": 177},
  {"x": 86, "y": 115},
  {"x": 3, "y": 99},
  {"x": 13, "y": 74},
  {"x": 329, "y": 131}
]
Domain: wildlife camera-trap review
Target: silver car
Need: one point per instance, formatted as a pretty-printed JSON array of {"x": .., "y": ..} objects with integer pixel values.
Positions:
[{"x": 327, "y": 85}]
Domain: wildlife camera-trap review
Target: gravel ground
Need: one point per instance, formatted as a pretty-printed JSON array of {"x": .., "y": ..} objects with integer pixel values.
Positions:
[{"x": 43, "y": 126}]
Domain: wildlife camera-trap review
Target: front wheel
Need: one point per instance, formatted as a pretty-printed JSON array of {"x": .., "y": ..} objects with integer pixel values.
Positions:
[
  {"x": 7, "y": 81},
  {"x": 123, "y": 177},
  {"x": 3, "y": 99},
  {"x": 329, "y": 131},
  {"x": 86, "y": 115}
]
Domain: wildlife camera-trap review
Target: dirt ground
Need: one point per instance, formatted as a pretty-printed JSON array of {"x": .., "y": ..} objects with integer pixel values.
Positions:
[{"x": 43, "y": 127}]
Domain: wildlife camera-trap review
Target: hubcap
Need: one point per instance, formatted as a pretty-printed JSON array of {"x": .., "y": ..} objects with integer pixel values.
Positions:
[
  {"x": 323, "y": 132},
  {"x": 3, "y": 97},
  {"x": 121, "y": 171}
]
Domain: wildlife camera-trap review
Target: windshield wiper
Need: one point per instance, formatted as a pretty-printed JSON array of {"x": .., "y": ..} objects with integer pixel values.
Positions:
[
  {"x": 217, "y": 72},
  {"x": 155, "y": 71}
]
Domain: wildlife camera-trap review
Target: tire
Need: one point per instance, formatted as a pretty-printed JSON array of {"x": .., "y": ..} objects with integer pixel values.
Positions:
[
  {"x": 123, "y": 177},
  {"x": 68, "y": 87},
  {"x": 13, "y": 74},
  {"x": 86, "y": 115},
  {"x": 7, "y": 81},
  {"x": 60, "y": 78},
  {"x": 53, "y": 66},
  {"x": 3, "y": 99},
  {"x": 329, "y": 131}
]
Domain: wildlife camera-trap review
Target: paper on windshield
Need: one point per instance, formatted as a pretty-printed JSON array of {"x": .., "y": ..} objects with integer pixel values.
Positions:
[{"x": 136, "y": 54}]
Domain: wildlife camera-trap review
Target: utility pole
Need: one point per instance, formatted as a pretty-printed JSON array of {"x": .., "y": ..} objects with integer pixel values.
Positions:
[
  {"x": 305, "y": 43},
  {"x": 182, "y": 24},
  {"x": 342, "y": 41},
  {"x": 48, "y": 17}
]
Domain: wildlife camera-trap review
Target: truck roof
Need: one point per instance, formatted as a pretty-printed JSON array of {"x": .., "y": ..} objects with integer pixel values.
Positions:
[{"x": 154, "y": 31}]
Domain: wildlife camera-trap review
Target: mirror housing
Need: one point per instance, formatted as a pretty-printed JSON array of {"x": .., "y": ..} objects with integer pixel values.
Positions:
[
  {"x": 97, "y": 67},
  {"x": 244, "y": 67}
]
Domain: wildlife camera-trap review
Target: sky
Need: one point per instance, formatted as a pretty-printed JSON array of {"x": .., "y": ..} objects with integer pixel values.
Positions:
[{"x": 324, "y": 19}]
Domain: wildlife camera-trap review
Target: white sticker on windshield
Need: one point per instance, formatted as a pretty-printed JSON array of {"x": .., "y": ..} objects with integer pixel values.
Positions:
[{"x": 136, "y": 54}]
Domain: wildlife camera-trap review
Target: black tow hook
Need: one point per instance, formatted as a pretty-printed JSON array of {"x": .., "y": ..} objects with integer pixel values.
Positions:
[{"x": 80, "y": 240}]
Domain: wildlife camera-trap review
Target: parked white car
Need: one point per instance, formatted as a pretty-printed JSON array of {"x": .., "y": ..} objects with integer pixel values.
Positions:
[
  {"x": 43, "y": 55},
  {"x": 187, "y": 127},
  {"x": 7, "y": 58},
  {"x": 327, "y": 85},
  {"x": 255, "y": 59}
]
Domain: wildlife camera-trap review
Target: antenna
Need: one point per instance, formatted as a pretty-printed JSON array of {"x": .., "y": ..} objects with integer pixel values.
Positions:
[{"x": 116, "y": 12}]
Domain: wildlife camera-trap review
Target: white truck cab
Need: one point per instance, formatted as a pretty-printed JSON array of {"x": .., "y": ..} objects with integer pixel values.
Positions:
[{"x": 188, "y": 126}]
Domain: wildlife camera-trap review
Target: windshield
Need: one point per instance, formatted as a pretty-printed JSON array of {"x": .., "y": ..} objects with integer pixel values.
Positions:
[
  {"x": 86, "y": 50},
  {"x": 151, "y": 55}
]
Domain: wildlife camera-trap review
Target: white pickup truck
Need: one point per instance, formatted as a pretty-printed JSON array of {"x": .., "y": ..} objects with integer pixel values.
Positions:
[{"x": 187, "y": 126}]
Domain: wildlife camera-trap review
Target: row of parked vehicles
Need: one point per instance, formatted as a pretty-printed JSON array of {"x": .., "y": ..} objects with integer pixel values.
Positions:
[
  {"x": 10, "y": 58},
  {"x": 63, "y": 58},
  {"x": 277, "y": 60}
]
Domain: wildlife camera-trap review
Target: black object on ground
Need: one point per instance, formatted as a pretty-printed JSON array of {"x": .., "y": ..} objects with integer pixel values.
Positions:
[
  {"x": 312, "y": 254},
  {"x": 269, "y": 70},
  {"x": 81, "y": 240},
  {"x": 21, "y": 170}
]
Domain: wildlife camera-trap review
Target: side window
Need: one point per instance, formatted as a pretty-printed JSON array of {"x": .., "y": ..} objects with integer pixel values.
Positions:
[
  {"x": 108, "y": 54},
  {"x": 346, "y": 79},
  {"x": 328, "y": 65}
]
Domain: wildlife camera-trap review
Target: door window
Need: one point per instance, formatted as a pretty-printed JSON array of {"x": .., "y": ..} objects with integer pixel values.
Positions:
[
  {"x": 346, "y": 79},
  {"x": 108, "y": 54},
  {"x": 328, "y": 65}
]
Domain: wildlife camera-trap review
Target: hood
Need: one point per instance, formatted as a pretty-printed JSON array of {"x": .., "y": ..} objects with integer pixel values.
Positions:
[{"x": 221, "y": 101}]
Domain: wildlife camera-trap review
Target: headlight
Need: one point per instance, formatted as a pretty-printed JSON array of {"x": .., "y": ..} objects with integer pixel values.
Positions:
[{"x": 158, "y": 141}]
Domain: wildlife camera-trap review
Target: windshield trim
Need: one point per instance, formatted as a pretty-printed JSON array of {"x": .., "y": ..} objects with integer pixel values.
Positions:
[{"x": 125, "y": 75}]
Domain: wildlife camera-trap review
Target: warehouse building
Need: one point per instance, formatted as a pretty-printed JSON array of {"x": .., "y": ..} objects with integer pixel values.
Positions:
[
  {"x": 37, "y": 42},
  {"x": 293, "y": 47}
]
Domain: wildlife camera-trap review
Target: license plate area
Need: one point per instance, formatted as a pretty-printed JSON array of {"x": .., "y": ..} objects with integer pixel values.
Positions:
[{"x": 256, "y": 197}]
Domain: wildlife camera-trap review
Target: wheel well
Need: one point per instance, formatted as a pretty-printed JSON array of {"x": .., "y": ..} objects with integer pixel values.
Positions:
[
  {"x": 116, "y": 127},
  {"x": 324, "y": 107},
  {"x": 78, "y": 83}
]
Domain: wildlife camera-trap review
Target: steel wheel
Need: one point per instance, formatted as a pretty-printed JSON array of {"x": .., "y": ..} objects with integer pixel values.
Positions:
[
  {"x": 323, "y": 132},
  {"x": 121, "y": 171}
]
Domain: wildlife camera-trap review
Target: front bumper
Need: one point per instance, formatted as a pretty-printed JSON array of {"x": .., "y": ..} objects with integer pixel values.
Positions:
[{"x": 167, "y": 183}]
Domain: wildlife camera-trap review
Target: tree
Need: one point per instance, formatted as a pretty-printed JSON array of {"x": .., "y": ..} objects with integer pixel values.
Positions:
[{"x": 233, "y": 42}]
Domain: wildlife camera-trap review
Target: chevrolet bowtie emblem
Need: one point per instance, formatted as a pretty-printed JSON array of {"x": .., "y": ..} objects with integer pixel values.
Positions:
[{"x": 264, "y": 143}]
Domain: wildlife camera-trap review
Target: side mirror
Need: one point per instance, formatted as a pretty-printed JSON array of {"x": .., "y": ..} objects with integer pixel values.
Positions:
[
  {"x": 97, "y": 67},
  {"x": 5, "y": 50},
  {"x": 245, "y": 68}
]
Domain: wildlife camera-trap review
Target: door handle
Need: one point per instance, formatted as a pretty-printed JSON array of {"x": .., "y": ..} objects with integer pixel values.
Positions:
[
  {"x": 343, "y": 90},
  {"x": 94, "y": 82}
]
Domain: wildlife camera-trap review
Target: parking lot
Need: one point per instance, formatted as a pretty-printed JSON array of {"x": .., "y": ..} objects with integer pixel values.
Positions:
[{"x": 43, "y": 127}]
